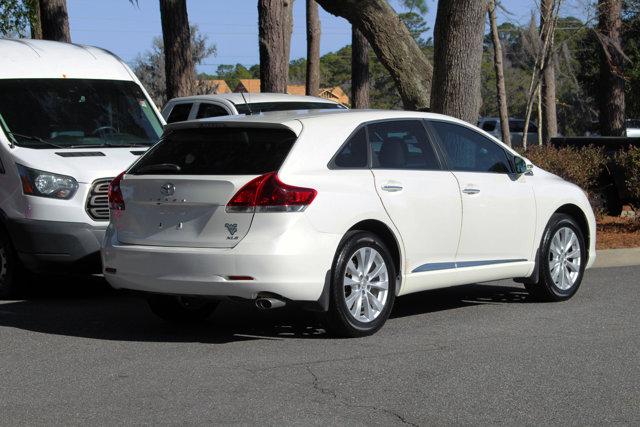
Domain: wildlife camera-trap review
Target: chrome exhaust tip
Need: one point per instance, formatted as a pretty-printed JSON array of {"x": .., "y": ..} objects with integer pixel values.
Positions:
[{"x": 269, "y": 303}]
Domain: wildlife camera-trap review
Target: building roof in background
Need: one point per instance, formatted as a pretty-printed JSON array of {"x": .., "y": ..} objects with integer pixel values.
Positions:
[
  {"x": 335, "y": 94},
  {"x": 215, "y": 86},
  {"x": 296, "y": 89},
  {"x": 248, "y": 86}
]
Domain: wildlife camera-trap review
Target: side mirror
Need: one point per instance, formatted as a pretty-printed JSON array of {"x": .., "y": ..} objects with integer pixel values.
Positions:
[{"x": 521, "y": 166}]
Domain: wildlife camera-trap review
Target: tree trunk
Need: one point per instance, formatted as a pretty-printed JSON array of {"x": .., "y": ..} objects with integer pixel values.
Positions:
[
  {"x": 549, "y": 128},
  {"x": 313, "y": 48},
  {"x": 274, "y": 28},
  {"x": 34, "y": 19},
  {"x": 359, "y": 69},
  {"x": 55, "y": 20},
  {"x": 458, "y": 36},
  {"x": 178, "y": 58},
  {"x": 612, "y": 100},
  {"x": 499, "y": 68},
  {"x": 393, "y": 44}
]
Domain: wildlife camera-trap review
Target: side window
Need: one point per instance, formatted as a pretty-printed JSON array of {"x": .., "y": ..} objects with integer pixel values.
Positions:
[
  {"x": 469, "y": 151},
  {"x": 210, "y": 110},
  {"x": 1, "y": 167},
  {"x": 179, "y": 113},
  {"x": 401, "y": 144},
  {"x": 354, "y": 152},
  {"x": 489, "y": 125}
]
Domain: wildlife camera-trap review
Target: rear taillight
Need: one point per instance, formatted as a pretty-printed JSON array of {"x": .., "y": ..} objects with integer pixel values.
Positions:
[
  {"x": 267, "y": 193},
  {"x": 116, "y": 201}
]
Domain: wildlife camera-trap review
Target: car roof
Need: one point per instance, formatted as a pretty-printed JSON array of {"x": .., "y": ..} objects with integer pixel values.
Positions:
[
  {"x": 285, "y": 118},
  {"x": 237, "y": 98},
  {"x": 26, "y": 58}
]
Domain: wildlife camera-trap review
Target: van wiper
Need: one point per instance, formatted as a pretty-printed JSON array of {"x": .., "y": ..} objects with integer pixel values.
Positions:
[
  {"x": 108, "y": 144},
  {"x": 160, "y": 167},
  {"x": 35, "y": 138}
]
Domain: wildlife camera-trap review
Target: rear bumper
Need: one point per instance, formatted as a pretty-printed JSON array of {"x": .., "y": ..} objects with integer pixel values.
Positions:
[
  {"x": 292, "y": 264},
  {"x": 56, "y": 245}
]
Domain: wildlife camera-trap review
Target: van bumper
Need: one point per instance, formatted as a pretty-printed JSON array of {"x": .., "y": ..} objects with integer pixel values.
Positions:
[{"x": 46, "y": 246}]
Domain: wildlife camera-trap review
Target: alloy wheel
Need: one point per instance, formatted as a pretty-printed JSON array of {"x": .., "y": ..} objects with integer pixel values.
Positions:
[
  {"x": 366, "y": 284},
  {"x": 565, "y": 257}
]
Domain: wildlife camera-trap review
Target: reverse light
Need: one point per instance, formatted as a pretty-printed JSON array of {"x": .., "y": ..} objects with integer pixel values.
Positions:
[
  {"x": 267, "y": 193},
  {"x": 116, "y": 201},
  {"x": 46, "y": 184}
]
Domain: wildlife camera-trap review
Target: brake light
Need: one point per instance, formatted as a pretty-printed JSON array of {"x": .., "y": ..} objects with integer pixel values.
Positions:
[
  {"x": 267, "y": 193},
  {"x": 116, "y": 201}
]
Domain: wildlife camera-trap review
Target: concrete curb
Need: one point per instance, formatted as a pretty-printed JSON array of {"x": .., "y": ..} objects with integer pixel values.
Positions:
[{"x": 617, "y": 258}]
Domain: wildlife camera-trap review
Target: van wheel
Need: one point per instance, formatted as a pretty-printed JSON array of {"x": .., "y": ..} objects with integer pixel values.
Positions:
[
  {"x": 8, "y": 266},
  {"x": 179, "y": 309},
  {"x": 363, "y": 287},
  {"x": 563, "y": 257}
]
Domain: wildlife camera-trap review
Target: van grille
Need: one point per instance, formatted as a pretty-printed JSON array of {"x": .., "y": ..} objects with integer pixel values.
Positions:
[{"x": 98, "y": 200}]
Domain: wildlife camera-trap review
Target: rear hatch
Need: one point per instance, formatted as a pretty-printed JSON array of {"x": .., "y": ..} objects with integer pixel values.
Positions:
[{"x": 177, "y": 193}]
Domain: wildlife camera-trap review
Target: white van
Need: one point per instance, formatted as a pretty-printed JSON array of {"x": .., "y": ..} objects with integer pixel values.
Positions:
[{"x": 71, "y": 118}]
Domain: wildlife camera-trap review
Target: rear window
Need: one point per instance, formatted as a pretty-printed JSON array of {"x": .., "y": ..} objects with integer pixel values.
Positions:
[
  {"x": 217, "y": 151},
  {"x": 179, "y": 113}
]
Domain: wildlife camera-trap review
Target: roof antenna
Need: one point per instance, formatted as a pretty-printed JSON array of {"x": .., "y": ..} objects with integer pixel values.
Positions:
[{"x": 247, "y": 104}]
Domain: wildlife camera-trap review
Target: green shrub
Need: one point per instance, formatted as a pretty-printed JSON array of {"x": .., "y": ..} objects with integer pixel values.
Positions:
[
  {"x": 582, "y": 166},
  {"x": 629, "y": 163}
]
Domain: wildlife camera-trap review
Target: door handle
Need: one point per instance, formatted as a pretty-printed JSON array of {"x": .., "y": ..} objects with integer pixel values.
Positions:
[
  {"x": 392, "y": 187},
  {"x": 471, "y": 190}
]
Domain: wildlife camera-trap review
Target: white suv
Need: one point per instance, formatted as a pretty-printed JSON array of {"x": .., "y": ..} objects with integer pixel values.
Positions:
[
  {"x": 230, "y": 104},
  {"x": 339, "y": 212}
]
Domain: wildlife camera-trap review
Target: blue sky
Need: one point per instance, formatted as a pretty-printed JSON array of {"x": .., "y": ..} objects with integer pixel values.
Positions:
[{"x": 231, "y": 25}]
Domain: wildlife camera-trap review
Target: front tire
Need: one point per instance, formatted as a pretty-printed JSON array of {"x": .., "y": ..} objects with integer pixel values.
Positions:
[
  {"x": 182, "y": 310},
  {"x": 8, "y": 266},
  {"x": 562, "y": 260},
  {"x": 363, "y": 286}
]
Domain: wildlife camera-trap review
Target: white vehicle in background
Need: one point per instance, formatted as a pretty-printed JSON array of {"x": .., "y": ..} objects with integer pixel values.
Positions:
[
  {"x": 339, "y": 212},
  {"x": 230, "y": 104},
  {"x": 493, "y": 126},
  {"x": 71, "y": 118},
  {"x": 633, "y": 128}
]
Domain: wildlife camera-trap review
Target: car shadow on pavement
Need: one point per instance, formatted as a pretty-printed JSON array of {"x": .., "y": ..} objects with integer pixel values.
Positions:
[{"x": 89, "y": 308}]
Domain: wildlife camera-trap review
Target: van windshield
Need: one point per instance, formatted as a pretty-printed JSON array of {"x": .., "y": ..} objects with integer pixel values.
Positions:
[{"x": 76, "y": 113}]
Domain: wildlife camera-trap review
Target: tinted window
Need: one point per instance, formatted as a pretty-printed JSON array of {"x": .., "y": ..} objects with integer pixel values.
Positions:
[
  {"x": 210, "y": 110},
  {"x": 489, "y": 126},
  {"x": 217, "y": 151},
  {"x": 179, "y": 113},
  {"x": 467, "y": 150},
  {"x": 517, "y": 126},
  {"x": 354, "y": 153},
  {"x": 265, "y": 107},
  {"x": 401, "y": 144}
]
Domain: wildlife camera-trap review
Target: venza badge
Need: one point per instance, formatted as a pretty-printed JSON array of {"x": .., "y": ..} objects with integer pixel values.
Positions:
[
  {"x": 233, "y": 229},
  {"x": 168, "y": 189}
]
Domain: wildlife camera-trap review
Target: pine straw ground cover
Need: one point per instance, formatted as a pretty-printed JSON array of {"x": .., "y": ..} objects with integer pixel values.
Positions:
[{"x": 615, "y": 232}]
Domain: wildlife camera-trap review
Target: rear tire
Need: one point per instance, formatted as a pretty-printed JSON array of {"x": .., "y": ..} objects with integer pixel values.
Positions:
[
  {"x": 182, "y": 310},
  {"x": 562, "y": 260},
  {"x": 363, "y": 286},
  {"x": 9, "y": 265}
]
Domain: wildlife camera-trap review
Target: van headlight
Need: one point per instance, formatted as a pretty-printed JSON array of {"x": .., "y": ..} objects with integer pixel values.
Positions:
[{"x": 46, "y": 184}]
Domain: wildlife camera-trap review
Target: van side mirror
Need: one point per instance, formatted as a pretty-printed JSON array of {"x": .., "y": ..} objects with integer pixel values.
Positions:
[{"x": 521, "y": 165}]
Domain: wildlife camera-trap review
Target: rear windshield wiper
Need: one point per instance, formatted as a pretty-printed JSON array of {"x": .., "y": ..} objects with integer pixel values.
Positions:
[
  {"x": 35, "y": 138},
  {"x": 161, "y": 167}
]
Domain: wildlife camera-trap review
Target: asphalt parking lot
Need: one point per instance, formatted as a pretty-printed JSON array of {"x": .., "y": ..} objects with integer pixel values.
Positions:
[{"x": 75, "y": 352}]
